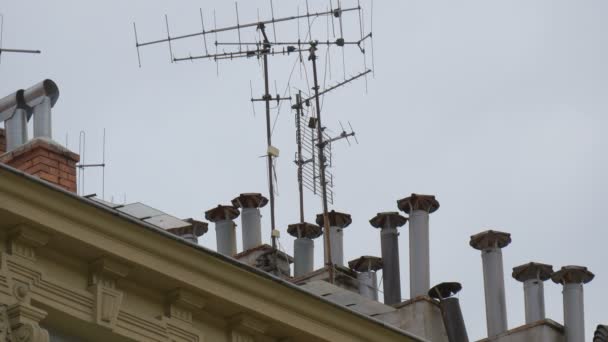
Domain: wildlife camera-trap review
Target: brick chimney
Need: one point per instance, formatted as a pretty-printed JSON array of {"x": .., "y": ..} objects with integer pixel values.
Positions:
[
  {"x": 40, "y": 157},
  {"x": 46, "y": 159}
]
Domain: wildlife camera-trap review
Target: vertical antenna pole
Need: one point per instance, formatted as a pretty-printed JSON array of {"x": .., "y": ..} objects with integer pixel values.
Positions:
[
  {"x": 267, "y": 98},
  {"x": 321, "y": 146},
  {"x": 299, "y": 160},
  {"x": 103, "y": 168}
]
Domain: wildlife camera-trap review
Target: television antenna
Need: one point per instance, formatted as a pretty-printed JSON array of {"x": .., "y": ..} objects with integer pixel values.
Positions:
[
  {"x": 261, "y": 50},
  {"x": 83, "y": 166},
  {"x": 4, "y": 50}
]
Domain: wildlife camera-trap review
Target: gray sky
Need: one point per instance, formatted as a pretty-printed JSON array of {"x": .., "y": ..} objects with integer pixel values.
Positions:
[{"x": 496, "y": 107}]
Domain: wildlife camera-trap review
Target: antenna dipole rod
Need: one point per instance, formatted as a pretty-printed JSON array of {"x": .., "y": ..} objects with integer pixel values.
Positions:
[
  {"x": 256, "y": 24},
  {"x": 321, "y": 147},
  {"x": 19, "y": 51}
]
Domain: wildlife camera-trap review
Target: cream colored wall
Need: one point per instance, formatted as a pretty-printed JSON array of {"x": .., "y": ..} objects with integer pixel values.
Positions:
[{"x": 70, "y": 266}]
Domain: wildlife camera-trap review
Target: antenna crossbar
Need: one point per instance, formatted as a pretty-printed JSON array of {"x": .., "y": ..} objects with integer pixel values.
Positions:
[
  {"x": 321, "y": 93},
  {"x": 336, "y": 12}
]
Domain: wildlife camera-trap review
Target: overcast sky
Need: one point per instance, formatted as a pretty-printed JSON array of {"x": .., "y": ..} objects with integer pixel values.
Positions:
[{"x": 496, "y": 107}]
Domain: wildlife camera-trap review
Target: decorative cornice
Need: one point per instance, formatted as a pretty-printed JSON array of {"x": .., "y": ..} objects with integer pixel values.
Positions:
[{"x": 23, "y": 240}]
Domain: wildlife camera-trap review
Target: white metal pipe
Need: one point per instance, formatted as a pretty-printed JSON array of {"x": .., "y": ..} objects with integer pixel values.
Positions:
[
  {"x": 420, "y": 278},
  {"x": 16, "y": 129},
  {"x": 42, "y": 118},
  {"x": 225, "y": 233},
  {"x": 336, "y": 242},
  {"x": 304, "y": 255},
  {"x": 494, "y": 282},
  {"x": 368, "y": 284},
  {"x": 574, "y": 312},
  {"x": 251, "y": 221},
  {"x": 534, "y": 297}
]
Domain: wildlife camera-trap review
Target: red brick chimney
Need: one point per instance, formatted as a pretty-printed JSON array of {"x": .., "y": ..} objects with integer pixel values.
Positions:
[{"x": 46, "y": 159}]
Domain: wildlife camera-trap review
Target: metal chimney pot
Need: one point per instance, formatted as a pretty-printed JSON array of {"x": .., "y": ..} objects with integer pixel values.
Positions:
[
  {"x": 225, "y": 231},
  {"x": 490, "y": 243},
  {"x": 16, "y": 109},
  {"x": 450, "y": 310},
  {"x": 337, "y": 222},
  {"x": 251, "y": 219},
  {"x": 304, "y": 246},
  {"x": 191, "y": 232},
  {"x": 388, "y": 222},
  {"x": 419, "y": 207},
  {"x": 533, "y": 276},
  {"x": 573, "y": 278},
  {"x": 367, "y": 276}
]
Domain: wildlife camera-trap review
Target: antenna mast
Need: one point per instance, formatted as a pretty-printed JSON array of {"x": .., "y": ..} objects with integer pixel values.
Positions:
[{"x": 262, "y": 50}]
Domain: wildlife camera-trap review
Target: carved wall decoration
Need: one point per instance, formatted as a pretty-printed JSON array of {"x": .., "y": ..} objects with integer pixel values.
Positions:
[
  {"x": 103, "y": 274},
  {"x": 24, "y": 240}
]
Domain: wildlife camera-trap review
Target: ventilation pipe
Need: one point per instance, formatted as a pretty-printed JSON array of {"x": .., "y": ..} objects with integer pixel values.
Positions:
[
  {"x": 419, "y": 207},
  {"x": 573, "y": 278},
  {"x": 225, "y": 232},
  {"x": 42, "y": 97},
  {"x": 16, "y": 110},
  {"x": 490, "y": 243},
  {"x": 367, "y": 268},
  {"x": 192, "y": 232},
  {"x": 388, "y": 222},
  {"x": 337, "y": 222},
  {"x": 251, "y": 219},
  {"x": 450, "y": 311},
  {"x": 304, "y": 246},
  {"x": 533, "y": 276}
]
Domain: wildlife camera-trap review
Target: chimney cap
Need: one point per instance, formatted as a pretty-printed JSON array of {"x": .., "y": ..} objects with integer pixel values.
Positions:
[
  {"x": 196, "y": 228},
  {"x": 250, "y": 200},
  {"x": 427, "y": 203},
  {"x": 336, "y": 219},
  {"x": 601, "y": 334},
  {"x": 445, "y": 290},
  {"x": 391, "y": 219},
  {"x": 366, "y": 263},
  {"x": 572, "y": 275},
  {"x": 490, "y": 239},
  {"x": 532, "y": 270},
  {"x": 222, "y": 212},
  {"x": 304, "y": 230}
]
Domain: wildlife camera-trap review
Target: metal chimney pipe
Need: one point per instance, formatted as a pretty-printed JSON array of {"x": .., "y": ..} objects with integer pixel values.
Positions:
[
  {"x": 573, "y": 278},
  {"x": 337, "y": 222},
  {"x": 16, "y": 129},
  {"x": 225, "y": 231},
  {"x": 450, "y": 310},
  {"x": 251, "y": 219},
  {"x": 191, "y": 232},
  {"x": 304, "y": 246},
  {"x": 419, "y": 207},
  {"x": 367, "y": 268},
  {"x": 490, "y": 243},
  {"x": 42, "y": 97},
  {"x": 533, "y": 276},
  {"x": 388, "y": 222}
]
